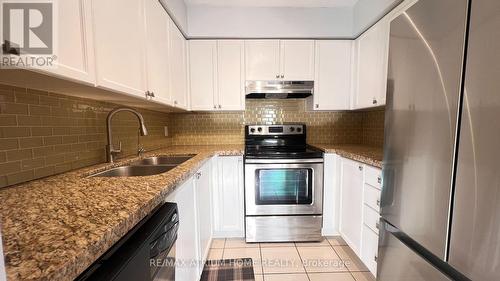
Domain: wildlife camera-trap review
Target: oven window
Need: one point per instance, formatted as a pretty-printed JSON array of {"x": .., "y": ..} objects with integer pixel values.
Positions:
[{"x": 283, "y": 186}]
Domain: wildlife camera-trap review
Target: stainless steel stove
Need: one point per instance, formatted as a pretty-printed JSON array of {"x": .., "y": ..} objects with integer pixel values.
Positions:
[{"x": 283, "y": 184}]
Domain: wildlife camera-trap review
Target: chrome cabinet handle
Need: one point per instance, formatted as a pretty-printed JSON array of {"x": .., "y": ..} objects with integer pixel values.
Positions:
[
  {"x": 282, "y": 76},
  {"x": 277, "y": 76},
  {"x": 317, "y": 105},
  {"x": 220, "y": 106},
  {"x": 374, "y": 101},
  {"x": 152, "y": 94},
  {"x": 146, "y": 94},
  {"x": 379, "y": 179},
  {"x": 175, "y": 102},
  {"x": 198, "y": 175},
  {"x": 375, "y": 258},
  {"x": 377, "y": 225},
  {"x": 215, "y": 106},
  {"x": 360, "y": 168},
  {"x": 378, "y": 202}
]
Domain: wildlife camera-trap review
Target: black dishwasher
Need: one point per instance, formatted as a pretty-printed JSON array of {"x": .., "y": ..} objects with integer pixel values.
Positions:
[{"x": 147, "y": 252}]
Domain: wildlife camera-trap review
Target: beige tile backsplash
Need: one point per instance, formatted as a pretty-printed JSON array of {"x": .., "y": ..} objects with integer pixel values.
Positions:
[{"x": 43, "y": 134}]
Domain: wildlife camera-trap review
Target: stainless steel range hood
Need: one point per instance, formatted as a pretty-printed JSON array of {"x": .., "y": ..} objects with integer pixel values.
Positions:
[{"x": 279, "y": 89}]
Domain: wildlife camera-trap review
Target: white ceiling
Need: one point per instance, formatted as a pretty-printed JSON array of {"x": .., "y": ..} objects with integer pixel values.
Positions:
[{"x": 274, "y": 3}]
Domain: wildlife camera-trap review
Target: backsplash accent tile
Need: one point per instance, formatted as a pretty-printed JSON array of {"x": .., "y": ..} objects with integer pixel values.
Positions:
[
  {"x": 216, "y": 128},
  {"x": 373, "y": 127},
  {"x": 42, "y": 134}
]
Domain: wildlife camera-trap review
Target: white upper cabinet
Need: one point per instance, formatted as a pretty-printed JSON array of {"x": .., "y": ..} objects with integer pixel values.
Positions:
[
  {"x": 119, "y": 45},
  {"x": 231, "y": 74},
  {"x": 157, "y": 44},
  {"x": 262, "y": 59},
  {"x": 279, "y": 59},
  {"x": 216, "y": 75},
  {"x": 75, "y": 52},
  {"x": 203, "y": 74},
  {"x": 297, "y": 60},
  {"x": 332, "y": 76},
  {"x": 370, "y": 81},
  {"x": 177, "y": 55}
]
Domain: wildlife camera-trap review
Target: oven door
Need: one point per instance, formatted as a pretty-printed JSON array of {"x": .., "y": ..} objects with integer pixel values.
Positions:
[{"x": 283, "y": 187}]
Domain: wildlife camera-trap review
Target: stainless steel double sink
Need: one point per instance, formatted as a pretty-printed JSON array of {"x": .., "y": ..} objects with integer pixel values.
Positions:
[{"x": 146, "y": 167}]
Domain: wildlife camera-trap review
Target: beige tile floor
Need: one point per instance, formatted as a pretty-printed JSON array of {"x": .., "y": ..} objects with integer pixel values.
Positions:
[{"x": 328, "y": 260}]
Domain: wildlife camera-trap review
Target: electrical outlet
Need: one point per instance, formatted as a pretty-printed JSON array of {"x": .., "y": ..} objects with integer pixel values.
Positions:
[{"x": 166, "y": 131}]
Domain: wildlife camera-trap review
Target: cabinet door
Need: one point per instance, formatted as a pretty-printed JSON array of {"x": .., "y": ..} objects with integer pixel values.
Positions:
[
  {"x": 262, "y": 59},
  {"x": 178, "y": 66},
  {"x": 231, "y": 74},
  {"x": 297, "y": 59},
  {"x": 119, "y": 45},
  {"x": 371, "y": 66},
  {"x": 229, "y": 213},
  {"x": 75, "y": 53},
  {"x": 202, "y": 74},
  {"x": 351, "y": 203},
  {"x": 370, "y": 249},
  {"x": 187, "y": 238},
  {"x": 157, "y": 21},
  {"x": 332, "y": 82},
  {"x": 203, "y": 186}
]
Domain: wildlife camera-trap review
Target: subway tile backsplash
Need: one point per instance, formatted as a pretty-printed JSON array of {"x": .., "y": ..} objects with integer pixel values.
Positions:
[{"x": 43, "y": 134}]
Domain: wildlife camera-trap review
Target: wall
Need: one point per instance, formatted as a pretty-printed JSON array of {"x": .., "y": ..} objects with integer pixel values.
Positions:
[
  {"x": 178, "y": 11},
  {"x": 368, "y": 12},
  {"x": 269, "y": 22},
  {"x": 214, "y": 128},
  {"x": 42, "y": 134}
]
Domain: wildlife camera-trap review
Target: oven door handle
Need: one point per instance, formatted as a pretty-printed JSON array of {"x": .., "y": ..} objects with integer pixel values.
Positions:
[{"x": 283, "y": 161}]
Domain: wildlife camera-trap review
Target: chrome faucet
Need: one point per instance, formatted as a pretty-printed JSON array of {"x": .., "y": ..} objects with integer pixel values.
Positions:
[{"x": 110, "y": 150}]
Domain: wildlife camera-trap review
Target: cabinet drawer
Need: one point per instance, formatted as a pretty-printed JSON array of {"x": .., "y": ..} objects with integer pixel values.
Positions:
[
  {"x": 372, "y": 197},
  {"x": 369, "y": 250},
  {"x": 371, "y": 218},
  {"x": 373, "y": 176}
]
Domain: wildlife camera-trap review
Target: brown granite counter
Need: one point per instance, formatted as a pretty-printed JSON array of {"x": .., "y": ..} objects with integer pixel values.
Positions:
[
  {"x": 369, "y": 155},
  {"x": 54, "y": 228}
]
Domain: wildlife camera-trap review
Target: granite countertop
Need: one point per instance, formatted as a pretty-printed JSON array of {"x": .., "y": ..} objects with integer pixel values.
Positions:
[
  {"x": 370, "y": 155},
  {"x": 54, "y": 228}
]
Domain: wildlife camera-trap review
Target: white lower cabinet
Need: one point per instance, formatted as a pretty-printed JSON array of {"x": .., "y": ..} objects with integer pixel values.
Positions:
[
  {"x": 187, "y": 247},
  {"x": 331, "y": 195},
  {"x": 228, "y": 197},
  {"x": 359, "y": 209},
  {"x": 351, "y": 203},
  {"x": 203, "y": 186}
]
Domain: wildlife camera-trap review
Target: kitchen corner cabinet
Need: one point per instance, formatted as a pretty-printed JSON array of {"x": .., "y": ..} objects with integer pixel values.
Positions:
[
  {"x": 157, "y": 44},
  {"x": 370, "y": 75},
  {"x": 351, "y": 203},
  {"x": 279, "y": 59},
  {"x": 75, "y": 51},
  {"x": 119, "y": 46},
  {"x": 216, "y": 72},
  {"x": 332, "y": 75},
  {"x": 177, "y": 57},
  {"x": 228, "y": 197}
]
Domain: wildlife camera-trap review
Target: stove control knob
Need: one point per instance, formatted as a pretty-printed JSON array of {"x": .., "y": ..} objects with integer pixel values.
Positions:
[
  {"x": 292, "y": 129},
  {"x": 299, "y": 129},
  {"x": 259, "y": 129},
  {"x": 252, "y": 130}
]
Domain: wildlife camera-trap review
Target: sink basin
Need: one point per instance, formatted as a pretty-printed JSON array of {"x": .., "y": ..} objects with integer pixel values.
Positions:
[
  {"x": 135, "y": 171},
  {"x": 163, "y": 160}
]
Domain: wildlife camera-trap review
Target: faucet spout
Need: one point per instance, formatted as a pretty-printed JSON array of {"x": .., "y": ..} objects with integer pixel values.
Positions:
[{"x": 110, "y": 150}]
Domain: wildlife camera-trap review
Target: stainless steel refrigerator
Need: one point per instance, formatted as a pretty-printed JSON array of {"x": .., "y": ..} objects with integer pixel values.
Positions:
[{"x": 440, "y": 202}]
